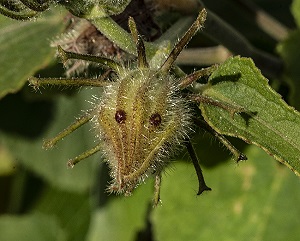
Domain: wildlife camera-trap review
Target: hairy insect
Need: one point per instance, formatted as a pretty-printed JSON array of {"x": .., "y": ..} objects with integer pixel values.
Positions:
[{"x": 141, "y": 117}]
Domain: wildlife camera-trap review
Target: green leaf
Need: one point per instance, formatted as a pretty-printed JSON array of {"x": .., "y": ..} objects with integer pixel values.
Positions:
[
  {"x": 113, "y": 7},
  {"x": 7, "y": 164},
  {"x": 157, "y": 51},
  {"x": 52, "y": 164},
  {"x": 290, "y": 53},
  {"x": 30, "y": 227},
  {"x": 256, "y": 200},
  {"x": 296, "y": 11},
  {"x": 268, "y": 121},
  {"x": 123, "y": 217},
  {"x": 72, "y": 210},
  {"x": 24, "y": 49}
]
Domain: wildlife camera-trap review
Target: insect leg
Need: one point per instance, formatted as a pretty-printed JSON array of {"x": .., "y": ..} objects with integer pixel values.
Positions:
[
  {"x": 191, "y": 78},
  {"x": 232, "y": 109},
  {"x": 157, "y": 185},
  {"x": 36, "y": 83},
  {"x": 21, "y": 15},
  {"x": 105, "y": 62},
  {"x": 75, "y": 125},
  {"x": 74, "y": 161},
  {"x": 34, "y": 6},
  {"x": 184, "y": 41},
  {"x": 238, "y": 156},
  {"x": 202, "y": 185}
]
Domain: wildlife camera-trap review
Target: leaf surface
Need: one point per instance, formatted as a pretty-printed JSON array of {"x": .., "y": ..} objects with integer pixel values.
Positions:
[
  {"x": 123, "y": 217},
  {"x": 51, "y": 164},
  {"x": 71, "y": 209},
  {"x": 267, "y": 121},
  {"x": 289, "y": 51},
  {"x": 296, "y": 11},
  {"x": 24, "y": 49},
  {"x": 30, "y": 227},
  {"x": 256, "y": 200}
]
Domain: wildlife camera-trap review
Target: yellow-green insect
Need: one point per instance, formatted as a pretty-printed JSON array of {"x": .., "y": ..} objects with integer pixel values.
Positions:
[{"x": 140, "y": 118}]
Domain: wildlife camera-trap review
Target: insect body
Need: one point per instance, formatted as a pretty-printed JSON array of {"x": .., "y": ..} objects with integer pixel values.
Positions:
[
  {"x": 139, "y": 119},
  {"x": 141, "y": 116}
]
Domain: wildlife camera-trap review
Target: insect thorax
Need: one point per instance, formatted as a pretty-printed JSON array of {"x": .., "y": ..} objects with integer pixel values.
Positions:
[{"x": 140, "y": 119}]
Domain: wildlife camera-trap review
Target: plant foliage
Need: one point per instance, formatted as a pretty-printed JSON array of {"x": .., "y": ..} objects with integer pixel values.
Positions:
[{"x": 252, "y": 99}]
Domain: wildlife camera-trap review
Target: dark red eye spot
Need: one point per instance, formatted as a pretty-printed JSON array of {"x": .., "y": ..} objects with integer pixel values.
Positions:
[
  {"x": 155, "y": 119},
  {"x": 120, "y": 116}
]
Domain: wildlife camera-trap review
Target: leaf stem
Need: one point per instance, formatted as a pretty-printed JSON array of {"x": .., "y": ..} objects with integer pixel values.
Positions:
[
  {"x": 156, "y": 51},
  {"x": 108, "y": 27}
]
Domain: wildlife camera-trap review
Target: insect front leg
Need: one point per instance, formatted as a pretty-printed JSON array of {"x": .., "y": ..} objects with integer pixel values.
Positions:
[{"x": 202, "y": 185}]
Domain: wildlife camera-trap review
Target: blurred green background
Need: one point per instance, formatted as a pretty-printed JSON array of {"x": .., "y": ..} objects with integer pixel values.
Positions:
[{"x": 40, "y": 199}]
